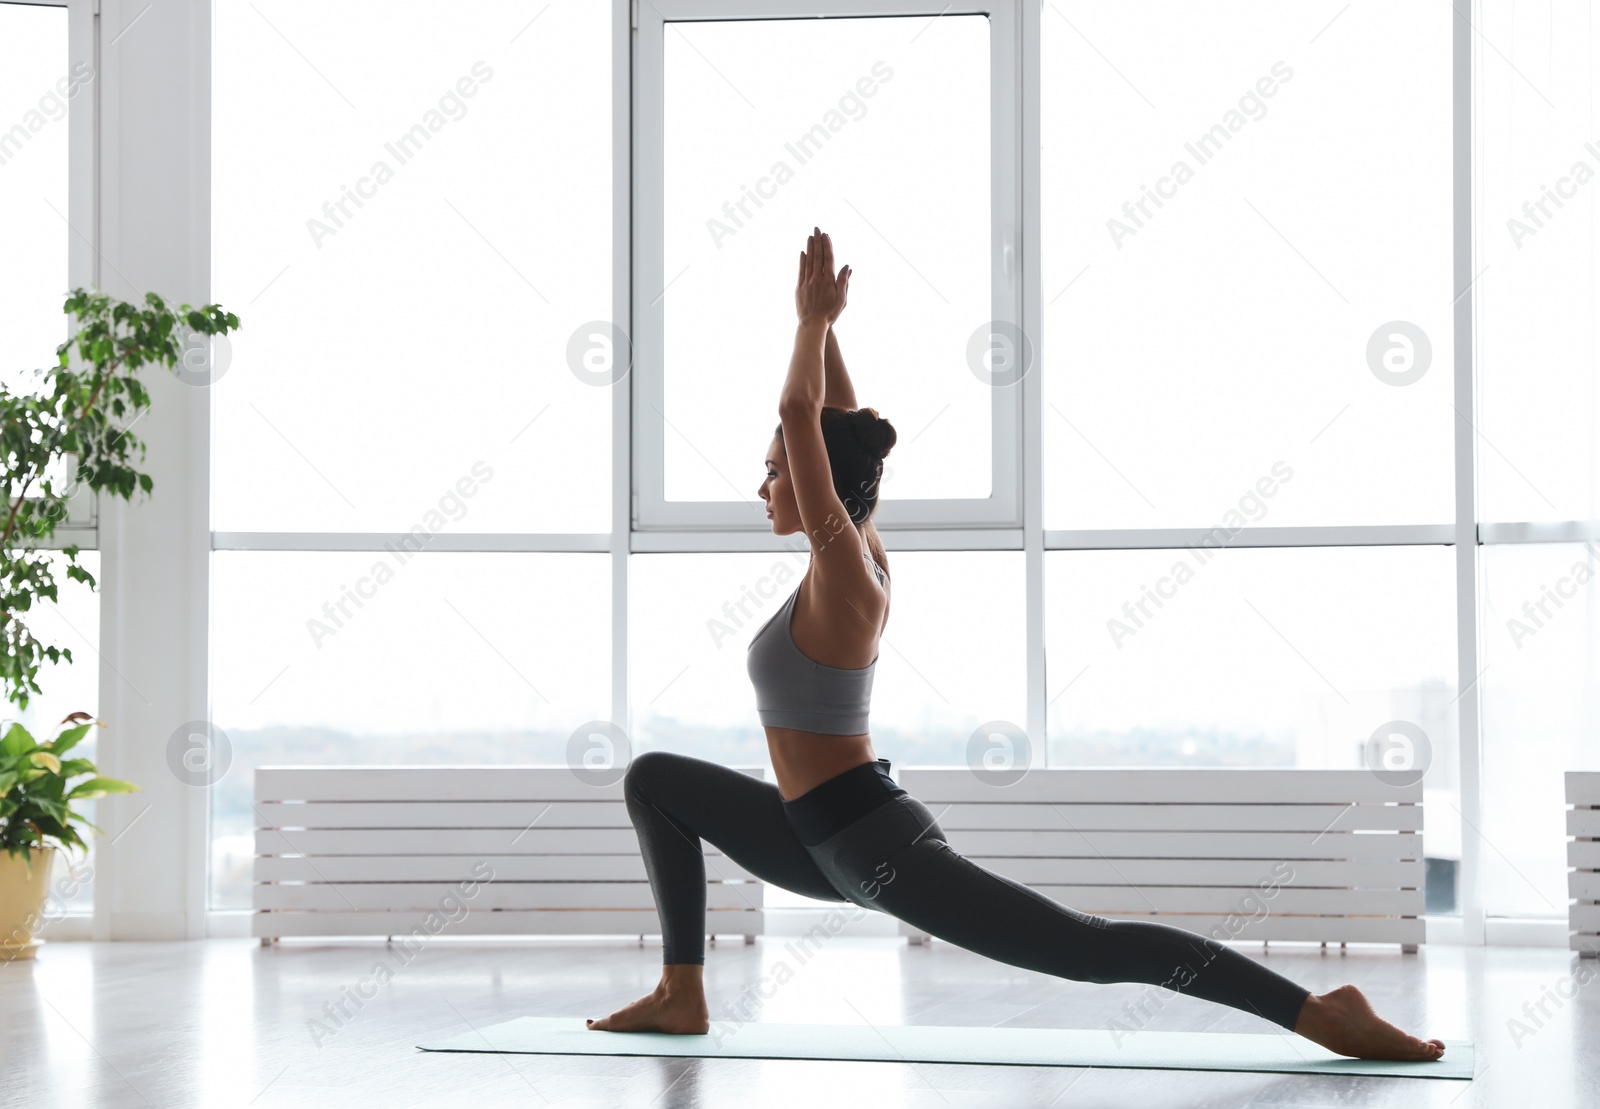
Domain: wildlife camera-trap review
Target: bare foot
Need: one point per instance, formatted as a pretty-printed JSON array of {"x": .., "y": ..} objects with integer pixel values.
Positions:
[
  {"x": 1343, "y": 1021},
  {"x": 677, "y": 1004}
]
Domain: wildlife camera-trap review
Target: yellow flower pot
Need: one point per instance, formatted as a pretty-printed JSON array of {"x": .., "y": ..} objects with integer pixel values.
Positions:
[{"x": 23, "y": 889}]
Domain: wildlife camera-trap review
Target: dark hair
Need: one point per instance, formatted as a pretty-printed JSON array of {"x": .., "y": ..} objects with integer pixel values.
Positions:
[{"x": 857, "y": 440}]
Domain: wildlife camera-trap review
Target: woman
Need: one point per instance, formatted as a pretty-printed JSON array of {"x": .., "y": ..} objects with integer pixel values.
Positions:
[{"x": 835, "y": 826}]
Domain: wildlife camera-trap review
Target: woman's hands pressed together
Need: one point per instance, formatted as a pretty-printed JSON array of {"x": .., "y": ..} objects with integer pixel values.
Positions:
[{"x": 819, "y": 293}]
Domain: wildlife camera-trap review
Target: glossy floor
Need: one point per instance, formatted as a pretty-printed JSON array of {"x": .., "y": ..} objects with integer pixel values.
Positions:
[{"x": 226, "y": 1022}]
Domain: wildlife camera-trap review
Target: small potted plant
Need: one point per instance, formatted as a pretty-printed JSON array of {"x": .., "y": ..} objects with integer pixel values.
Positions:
[{"x": 37, "y": 818}]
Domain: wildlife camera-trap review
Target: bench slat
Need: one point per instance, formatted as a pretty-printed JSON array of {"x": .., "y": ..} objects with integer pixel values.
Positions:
[
  {"x": 1233, "y": 873},
  {"x": 614, "y": 814},
  {"x": 540, "y": 922},
  {"x": 1583, "y": 854},
  {"x": 515, "y": 815},
  {"x": 1188, "y": 818},
  {"x": 1189, "y": 845},
  {"x": 1159, "y": 786},
  {"x": 448, "y": 868},
  {"x": 497, "y": 895},
  {"x": 1585, "y": 918},
  {"x": 451, "y": 841},
  {"x": 1583, "y": 787},
  {"x": 435, "y": 783},
  {"x": 1111, "y": 900},
  {"x": 1328, "y": 929},
  {"x": 1584, "y": 885},
  {"x": 1583, "y": 822}
]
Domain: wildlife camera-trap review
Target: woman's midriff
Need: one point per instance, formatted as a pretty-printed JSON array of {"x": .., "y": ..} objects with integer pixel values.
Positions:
[{"x": 801, "y": 761}]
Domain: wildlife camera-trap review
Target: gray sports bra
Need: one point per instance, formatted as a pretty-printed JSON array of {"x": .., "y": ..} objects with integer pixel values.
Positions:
[{"x": 794, "y": 692}]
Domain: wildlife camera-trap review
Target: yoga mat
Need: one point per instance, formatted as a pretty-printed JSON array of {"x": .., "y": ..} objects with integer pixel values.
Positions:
[{"x": 1048, "y": 1047}]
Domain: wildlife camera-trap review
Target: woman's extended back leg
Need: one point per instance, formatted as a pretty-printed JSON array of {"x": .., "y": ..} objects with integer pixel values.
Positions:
[{"x": 934, "y": 888}]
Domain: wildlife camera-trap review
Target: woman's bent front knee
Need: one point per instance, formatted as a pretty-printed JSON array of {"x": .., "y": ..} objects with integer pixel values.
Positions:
[{"x": 642, "y": 770}]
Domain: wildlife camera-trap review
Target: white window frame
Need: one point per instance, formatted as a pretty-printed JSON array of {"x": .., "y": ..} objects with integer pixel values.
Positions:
[
  {"x": 80, "y": 528},
  {"x": 651, "y": 510}
]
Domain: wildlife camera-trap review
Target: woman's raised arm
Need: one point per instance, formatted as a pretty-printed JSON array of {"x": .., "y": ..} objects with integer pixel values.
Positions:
[{"x": 839, "y": 393}]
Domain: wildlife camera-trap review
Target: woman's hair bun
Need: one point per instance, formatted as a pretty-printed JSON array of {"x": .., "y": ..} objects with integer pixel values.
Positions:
[{"x": 874, "y": 432}]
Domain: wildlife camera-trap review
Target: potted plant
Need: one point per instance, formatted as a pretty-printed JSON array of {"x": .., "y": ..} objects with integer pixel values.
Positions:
[
  {"x": 78, "y": 420},
  {"x": 36, "y": 818}
]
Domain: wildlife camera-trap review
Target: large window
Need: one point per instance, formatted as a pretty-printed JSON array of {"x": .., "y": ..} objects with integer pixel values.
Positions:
[
  {"x": 412, "y": 215},
  {"x": 1241, "y": 354}
]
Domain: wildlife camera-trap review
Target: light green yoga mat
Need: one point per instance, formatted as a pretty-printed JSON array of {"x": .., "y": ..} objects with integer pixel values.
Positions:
[{"x": 1047, "y": 1047}]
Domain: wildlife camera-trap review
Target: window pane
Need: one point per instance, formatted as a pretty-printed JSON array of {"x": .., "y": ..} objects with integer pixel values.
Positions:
[
  {"x": 1541, "y": 716},
  {"x": 951, "y": 658},
  {"x": 34, "y": 92},
  {"x": 412, "y": 218},
  {"x": 1254, "y": 657},
  {"x": 690, "y": 618},
  {"x": 434, "y": 658},
  {"x": 1239, "y": 202},
  {"x": 1537, "y": 299},
  {"x": 1260, "y": 657},
  {"x": 877, "y": 130}
]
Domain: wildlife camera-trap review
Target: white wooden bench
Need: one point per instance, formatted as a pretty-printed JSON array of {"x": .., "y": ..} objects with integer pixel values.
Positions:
[
  {"x": 1583, "y": 856},
  {"x": 1246, "y": 854},
  {"x": 389, "y": 850}
]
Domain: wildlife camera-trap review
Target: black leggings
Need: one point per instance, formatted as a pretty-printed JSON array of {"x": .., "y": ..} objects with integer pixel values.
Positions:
[{"x": 895, "y": 859}]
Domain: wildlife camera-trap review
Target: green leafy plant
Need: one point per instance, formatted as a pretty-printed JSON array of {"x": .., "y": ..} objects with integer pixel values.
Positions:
[
  {"x": 35, "y": 799},
  {"x": 80, "y": 417}
]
